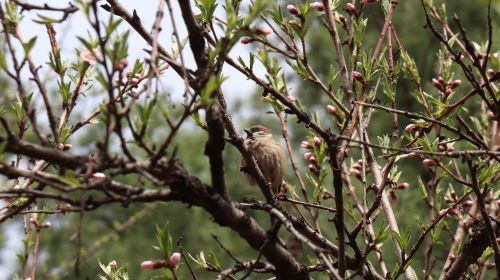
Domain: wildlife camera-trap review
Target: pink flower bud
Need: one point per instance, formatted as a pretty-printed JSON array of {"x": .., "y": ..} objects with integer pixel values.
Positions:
[
  {"x": 357, "y": 174},
  {"x": 437, "y": 84},
  {"x": 265, "y": 30},
  {"x": 247, "y": 40},
  {"x": 293, "y": 10},
  {"x": 448, "y": 91},
  {"x": 393, "y": 196},
  {"x": 455, "y": 83},
  {"x": 415, "y": 154},
  {"x": 318, "y": 6},
  {"x": 357, "y": 75},
  {"x": 292, "y": 99},
  {"x": 306, "y": 144},
  {"x": 332, "y": 110},
  {"x": 174, "y": 259},
  {"x": 113, "y": 264},
  {"x": 134, "y": 81},
  {"x": 98, "y": 175},
  {"x": 351, "y": 9},
  {"x": 64, "y": 147},
  {"x": 453, "y": 194},
  {"x": 452, "y": 257},
  {"x": 148, "y": 265},
  {"x": 317, "y": 140},
  {"x": 326, "y": 195},
  {"x": 409, "y": 128},
  {"x": 295, "y": 23},
  {"x": 467, "y": 203},
  {"x": 441, "y": 80},
  {"x": 357, "y": 166},
  {"x": 90, "y": 57},
  {"x": 490, "y": 115},
  {"x": 312, "y": 159},
  {"x": 442, "y": 212},
  {"x": 307, "y": 155},
  {"x": 429, "y": 162},
  {"x": 402, "y": 186},
  {"x": 47, "y": 224},
  {"x": 120, "y": 65},
  {"x": 313, "y": 169},
  {"x": 342, "y": 19}
]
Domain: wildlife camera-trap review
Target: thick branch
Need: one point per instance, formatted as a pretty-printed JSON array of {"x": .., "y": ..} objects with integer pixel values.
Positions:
[
  {"x": 191, "y": 190},
  {"x": 52, "y": 155},
  {"x": 471, "y": 251}
]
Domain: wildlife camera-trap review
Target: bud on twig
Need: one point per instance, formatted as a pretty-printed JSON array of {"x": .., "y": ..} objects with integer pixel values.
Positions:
[
  {"x": 409, "y": 128},
  {"x": 351, "y": 9},
  {"x": 247, "y": 40},
  {"x": 467, "y": 203},
  {"x": 98, "y": 175},
  {"x": 455, "y": 84},
  {"x": 174, "y": 260},
  {"x": 358, "y": 76},
  {"x": 326, "y": 195},
  {"x": 308, "y": 155},
  {"x": 357, "y": 174},
  {"x": 295, "y": 23},
  {"x": 293, "y": 10},
  {"x": 437, "y": 84},
  {"x": 332, "y": 111},
  {"x": 317, "y": 140},
  {"x": 318, "y": 6},
  {"x": 306, "y": 145},
  {"x": 313, "y": 169},
  {"x": 357, "y": 166},
  {"x": 415, "y": 154},
  {"x": 265, "y": 30},
  {"x": 402, "y": 186},
  {"x": 148, "y": 265},
  {"x": 393, "y": 196},
  {"x": 313, "y": 159},
  {"x": 429, "y": 162},
  {"x": 292, "y": 99}
]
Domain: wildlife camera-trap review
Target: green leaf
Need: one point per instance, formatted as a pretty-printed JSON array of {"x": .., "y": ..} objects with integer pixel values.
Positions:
[
  {"x": 213, "y": 259},
  {"x": 422, "y": 188},
  {"x": 197, "y": 119},
  {"x": 164, "y": 241},
  {"x": 3, "y": 62},
  {"x": 44, "y": 19},
  {"x": 382, "y": 234},
  {"x": 29, "y": 45},
  {"x": 64, "y": 90}
]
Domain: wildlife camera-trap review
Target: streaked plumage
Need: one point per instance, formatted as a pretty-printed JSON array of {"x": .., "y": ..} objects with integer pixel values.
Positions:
[{"x": 268, "y": 154}]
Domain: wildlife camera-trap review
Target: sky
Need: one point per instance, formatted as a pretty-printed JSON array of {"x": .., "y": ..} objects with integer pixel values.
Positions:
[{"x": 235, "y": 87}]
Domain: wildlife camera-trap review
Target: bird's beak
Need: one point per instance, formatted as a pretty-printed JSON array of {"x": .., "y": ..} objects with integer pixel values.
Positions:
[{"x": 249, "y": 133}]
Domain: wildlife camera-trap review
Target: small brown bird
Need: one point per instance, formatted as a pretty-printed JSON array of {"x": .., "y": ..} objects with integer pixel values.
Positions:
[{"x": 268, "y": 154}]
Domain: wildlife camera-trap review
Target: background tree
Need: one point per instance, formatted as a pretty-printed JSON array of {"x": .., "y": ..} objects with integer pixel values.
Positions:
[{"x": 373, "y": 107}]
